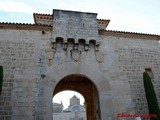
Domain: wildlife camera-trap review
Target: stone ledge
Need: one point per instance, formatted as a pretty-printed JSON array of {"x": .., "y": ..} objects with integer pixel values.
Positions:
[
  {"x": 129, "y": 34},
  {"x": 23, "y": 26}
]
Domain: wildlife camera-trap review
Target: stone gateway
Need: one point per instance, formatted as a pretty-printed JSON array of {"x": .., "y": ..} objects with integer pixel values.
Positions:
[{"x": 70, "y": 50}]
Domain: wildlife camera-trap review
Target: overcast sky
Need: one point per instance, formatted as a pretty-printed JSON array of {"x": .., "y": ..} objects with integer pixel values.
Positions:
[
  {"x": 126, "y": 15},
  {"x": 142, "y": 16}
]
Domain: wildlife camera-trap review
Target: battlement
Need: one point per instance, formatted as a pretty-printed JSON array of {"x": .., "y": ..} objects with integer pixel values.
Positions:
[
  {"x": 47, "y": 19},
  {"x": 75, "y": 25}
]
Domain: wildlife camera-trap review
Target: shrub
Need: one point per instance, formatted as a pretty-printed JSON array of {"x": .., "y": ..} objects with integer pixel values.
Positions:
[
  {"x": 1, "y": 78},
  {"x": 151, "y": 96}
]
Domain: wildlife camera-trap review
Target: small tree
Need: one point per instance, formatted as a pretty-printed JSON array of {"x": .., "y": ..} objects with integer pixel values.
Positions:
[
  {"x": 1, "y": 78},
  {"x": 151, "y": 96}
]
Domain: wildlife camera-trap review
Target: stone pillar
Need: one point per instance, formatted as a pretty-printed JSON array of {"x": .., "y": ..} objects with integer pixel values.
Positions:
[{"x": 106, "y": 107}]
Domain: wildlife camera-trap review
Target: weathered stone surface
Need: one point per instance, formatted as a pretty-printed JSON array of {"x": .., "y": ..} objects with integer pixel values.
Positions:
[
  {"x": 99, "y": 56},
  {"x": 50, "y": 54},
  {"x": 72, "y": 24},
  {"x": 75, "y": 54},
  {"x": 32, "y": 71}
]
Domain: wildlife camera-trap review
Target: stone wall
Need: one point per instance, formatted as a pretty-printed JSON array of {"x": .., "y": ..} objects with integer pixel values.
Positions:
[
  {"x": 34, "y": 62},
  {"x": 75, "y": 25},
  {"x": 19, "y": 55},
  {"x": 29, "y": 78},
  {"x": 125, "y": 61}
]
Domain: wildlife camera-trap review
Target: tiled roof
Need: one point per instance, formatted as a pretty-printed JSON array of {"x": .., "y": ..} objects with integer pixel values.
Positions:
[
  {"x": 129, "y": 34},
  {"x": 24, "y": 26}
]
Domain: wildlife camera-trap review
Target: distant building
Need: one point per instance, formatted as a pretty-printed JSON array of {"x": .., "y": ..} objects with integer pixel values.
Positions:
[
  {"x": 75, "y": 111},
  {"x": 58, "y": 108}
]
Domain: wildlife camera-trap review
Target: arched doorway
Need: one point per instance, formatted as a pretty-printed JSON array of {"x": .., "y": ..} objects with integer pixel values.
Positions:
[
  {"x": 87, "y": 88},
  {"x": 69, "y": 105}
]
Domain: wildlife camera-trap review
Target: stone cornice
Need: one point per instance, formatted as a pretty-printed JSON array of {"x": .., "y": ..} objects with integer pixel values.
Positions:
[
  {"x": 103, "y": 22},
  {"x": 23, "y": 26},
  {"x": 42, "y": 17},
  {"x": 49, "y": 17},
  {"x": 129, "y": 34}
]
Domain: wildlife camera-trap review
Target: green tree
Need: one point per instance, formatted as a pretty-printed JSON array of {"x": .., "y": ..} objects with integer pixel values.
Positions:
[
  {"x": 1, "y": 78},
  {"x": 151, "y": 96}
]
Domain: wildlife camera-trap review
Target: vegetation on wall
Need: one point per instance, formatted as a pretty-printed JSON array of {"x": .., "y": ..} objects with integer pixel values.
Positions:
[
  {"x": 151, "y": 96},
  {"x": 1, "y": 78}
]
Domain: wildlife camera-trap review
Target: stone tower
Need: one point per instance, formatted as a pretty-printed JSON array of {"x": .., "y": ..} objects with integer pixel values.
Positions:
[{"x": 74, "y": 100}]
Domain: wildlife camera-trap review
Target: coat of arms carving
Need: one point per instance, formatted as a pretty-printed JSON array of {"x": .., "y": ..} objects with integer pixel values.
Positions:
[
  {"x": 50, "y": 54},
  {"x": 75, "y": 54},
  {"x": 99, "y": 56}
]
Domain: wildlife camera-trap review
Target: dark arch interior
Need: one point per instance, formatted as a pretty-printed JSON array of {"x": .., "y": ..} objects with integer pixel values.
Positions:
[{"x": 84, "y": 86}]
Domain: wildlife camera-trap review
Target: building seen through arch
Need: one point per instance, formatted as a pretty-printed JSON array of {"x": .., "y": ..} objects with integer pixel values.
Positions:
[
  {"x": 86, "y": 88},
  {"x": 75, "y": 111}
]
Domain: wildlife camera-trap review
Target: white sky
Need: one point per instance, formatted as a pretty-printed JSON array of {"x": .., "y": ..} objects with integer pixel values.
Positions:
[
  {"x": 65, "y": 96},
  {"x": 142, "y": 16},
  {"x": 126, "y": 15}
]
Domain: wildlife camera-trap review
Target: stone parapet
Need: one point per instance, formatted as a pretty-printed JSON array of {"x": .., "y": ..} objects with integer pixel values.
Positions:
[{"x": 75, "y": 25}]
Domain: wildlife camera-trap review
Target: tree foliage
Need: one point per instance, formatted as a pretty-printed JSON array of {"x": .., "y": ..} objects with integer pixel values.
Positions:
[
  {"x": 1, "y": 78},
  {"x": 151, "y": 96}
]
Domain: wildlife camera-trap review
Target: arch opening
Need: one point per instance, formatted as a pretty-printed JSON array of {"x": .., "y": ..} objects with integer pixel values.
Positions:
[
  {"x": 69, "y": 105},
  {"x": 84, "y": 86}
]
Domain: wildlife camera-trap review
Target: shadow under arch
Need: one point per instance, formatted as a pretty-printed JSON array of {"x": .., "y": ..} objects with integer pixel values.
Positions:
[{"x": 84, "y": 86}]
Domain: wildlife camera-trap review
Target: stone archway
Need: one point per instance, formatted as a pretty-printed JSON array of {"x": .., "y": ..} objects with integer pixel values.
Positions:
[{"x": 87, "y": 88}]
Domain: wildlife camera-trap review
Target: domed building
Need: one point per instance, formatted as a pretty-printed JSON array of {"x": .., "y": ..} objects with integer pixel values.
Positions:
[{"x": 75, "y": 111}]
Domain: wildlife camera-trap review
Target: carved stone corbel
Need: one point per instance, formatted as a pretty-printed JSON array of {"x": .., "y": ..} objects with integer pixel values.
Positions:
[
  {"x": 65, "y": 45},
  {"x": 86, "y": 47},
  {"x": 76, "y": 46},
  {"x": 97, "y": 46}
]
